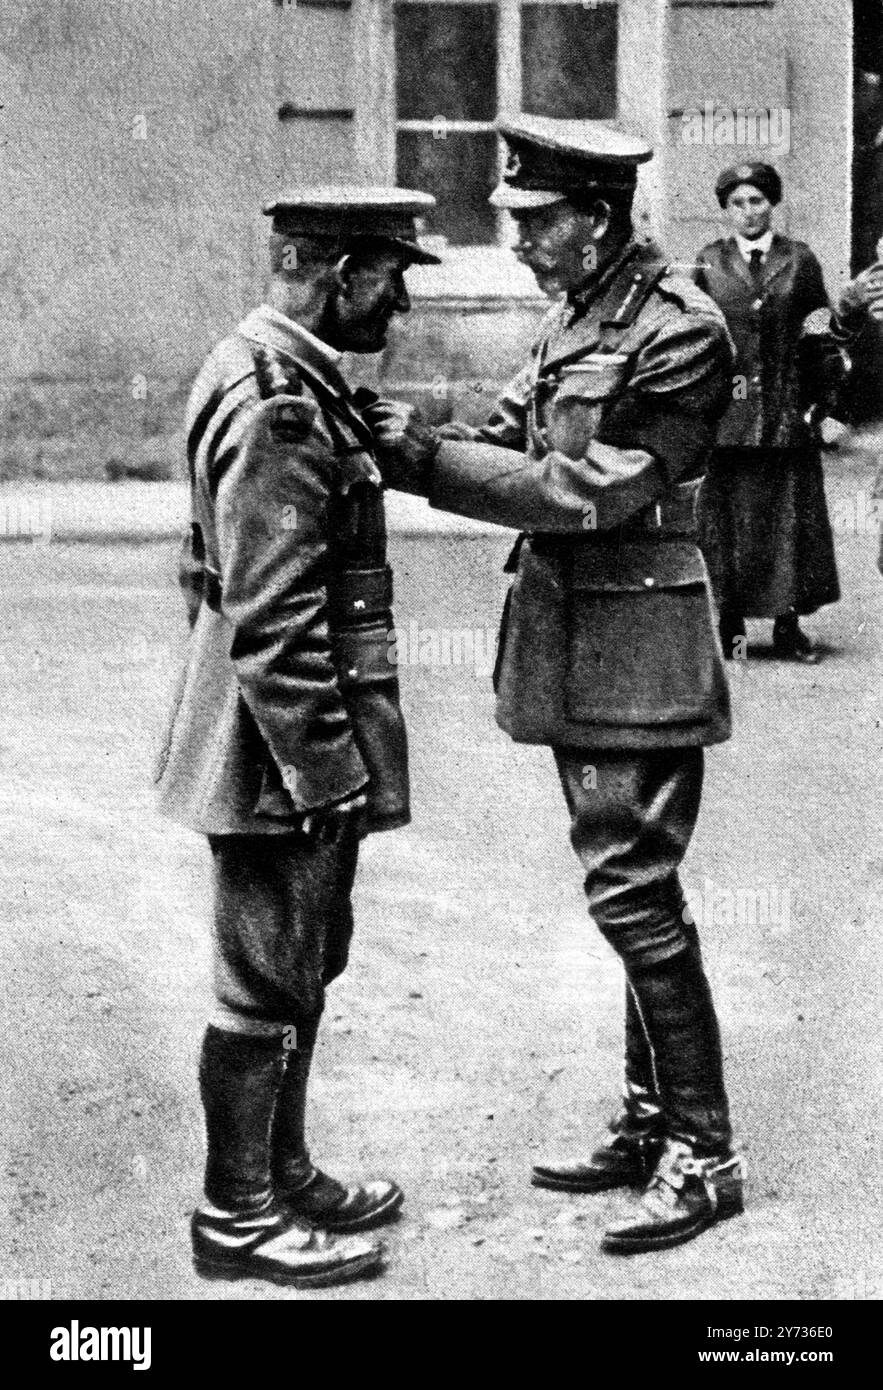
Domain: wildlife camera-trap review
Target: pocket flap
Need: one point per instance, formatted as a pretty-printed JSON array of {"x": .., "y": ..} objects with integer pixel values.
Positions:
[
  {"x": 636, "y": 565},
  {"x": 597, "y": 377}
]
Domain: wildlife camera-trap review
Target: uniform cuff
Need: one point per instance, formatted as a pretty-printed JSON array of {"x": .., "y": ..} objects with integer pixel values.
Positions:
[{"x": 295, "y": 788}]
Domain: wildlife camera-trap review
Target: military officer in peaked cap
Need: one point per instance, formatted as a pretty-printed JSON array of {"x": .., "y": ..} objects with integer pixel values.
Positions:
[
  {"x": 608, "y": 651},
  {"x": 286, "y": 742}
]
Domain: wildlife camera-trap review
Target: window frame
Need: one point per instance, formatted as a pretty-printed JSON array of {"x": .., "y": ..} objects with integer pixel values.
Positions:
[{"x": 500, "y": 274}]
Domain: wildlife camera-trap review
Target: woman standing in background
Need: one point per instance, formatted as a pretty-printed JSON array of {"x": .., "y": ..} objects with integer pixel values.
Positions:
[{"x": 763, "y": 518}]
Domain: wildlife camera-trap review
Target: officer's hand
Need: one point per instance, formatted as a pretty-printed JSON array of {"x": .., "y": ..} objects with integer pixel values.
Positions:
[
  {"x": 386, "y": 419},
  {"x": 405, "y": 454},
  {"x": 404, "y": 443},
  {"x": 327, "y": 825},
  {"x": 864, "y": 294},
  {"x": 391, "y": 422}
]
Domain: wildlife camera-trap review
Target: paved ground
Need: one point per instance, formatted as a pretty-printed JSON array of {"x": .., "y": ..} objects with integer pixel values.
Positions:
[{"x": 479, "y": 1024}]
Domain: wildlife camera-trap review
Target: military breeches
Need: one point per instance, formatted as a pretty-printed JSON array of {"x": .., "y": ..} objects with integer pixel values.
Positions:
[
  {"x": 632, "y": 816},
  {"x": 283, "y": 923}
]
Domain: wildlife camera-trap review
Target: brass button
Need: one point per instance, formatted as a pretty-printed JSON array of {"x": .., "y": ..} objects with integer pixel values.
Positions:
[
  {"x": 358, "y": 603},
  {"x": 353, "y": 672},
  {"x": 649, "y": 582}
]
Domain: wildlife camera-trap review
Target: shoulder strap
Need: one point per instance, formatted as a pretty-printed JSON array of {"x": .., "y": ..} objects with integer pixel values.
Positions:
[
  {"x": 641, "y": 285},
  {"x": 273, "y": 379}
]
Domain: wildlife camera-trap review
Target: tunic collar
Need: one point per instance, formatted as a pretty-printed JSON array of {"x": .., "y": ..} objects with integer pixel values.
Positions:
[
  {"x": 324, "y": 350},
  {"x": 316, "y": 360},
  {"x": 776, "y": 259},
  {"x": 579, "y": 300},
  {"x": 762, "y": 244},
  {"x": 570, "y": 333},
  {"x": 275, "y": 330}
]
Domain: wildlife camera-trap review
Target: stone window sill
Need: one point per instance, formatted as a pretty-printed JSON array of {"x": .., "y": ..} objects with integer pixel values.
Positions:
[{"x": 472, "y": 275}]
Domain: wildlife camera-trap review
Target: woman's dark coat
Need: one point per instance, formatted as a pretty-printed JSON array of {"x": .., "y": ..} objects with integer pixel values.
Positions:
[{"x": 764, "y": 527}]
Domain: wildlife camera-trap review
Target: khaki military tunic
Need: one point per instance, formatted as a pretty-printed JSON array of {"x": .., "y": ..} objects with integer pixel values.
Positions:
[
  {"x": 594, "y": 452},
  {"x": 287, "y": 700}
]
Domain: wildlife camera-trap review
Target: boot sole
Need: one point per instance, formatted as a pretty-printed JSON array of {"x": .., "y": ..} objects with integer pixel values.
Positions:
[
  {"x": 364, "y": 1266},
  {"x": 620, "y": 1245},
  {"x": 586, "y": 1189}
]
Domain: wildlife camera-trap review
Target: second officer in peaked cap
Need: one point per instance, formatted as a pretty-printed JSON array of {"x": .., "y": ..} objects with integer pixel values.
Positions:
[
  {"x": 353, "y": 217},
  {"x": 547, "y": 160},
  {"x": 608, "y": 651},
  {"x": 286, "y": 742}
]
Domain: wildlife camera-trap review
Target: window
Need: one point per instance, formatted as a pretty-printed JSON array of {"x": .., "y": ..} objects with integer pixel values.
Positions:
[{"x": 462, "y": 63}]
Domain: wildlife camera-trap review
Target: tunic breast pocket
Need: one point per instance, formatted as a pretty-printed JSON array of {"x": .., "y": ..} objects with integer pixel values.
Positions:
[
  {"x": 584, "y": 391},
  {"x": 640, "y": 645}
]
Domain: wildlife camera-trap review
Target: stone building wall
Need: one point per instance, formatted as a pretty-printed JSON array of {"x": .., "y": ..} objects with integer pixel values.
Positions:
[{"x": 138, "y": 140}]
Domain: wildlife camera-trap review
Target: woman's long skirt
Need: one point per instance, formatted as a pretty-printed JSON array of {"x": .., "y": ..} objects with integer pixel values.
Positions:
[{"x": 765, "y": 533}]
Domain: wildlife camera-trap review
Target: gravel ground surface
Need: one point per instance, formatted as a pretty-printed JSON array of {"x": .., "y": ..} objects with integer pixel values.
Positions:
[{"x": 478, "y": 1026}]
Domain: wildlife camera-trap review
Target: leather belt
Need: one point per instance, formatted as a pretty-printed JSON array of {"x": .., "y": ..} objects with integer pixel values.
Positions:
[
  {"x": 660, "y": 526},
  {"x": 673, "y": 517},
  {"x": 640, "y": 528},
  {"x": 354, "y": 596}
]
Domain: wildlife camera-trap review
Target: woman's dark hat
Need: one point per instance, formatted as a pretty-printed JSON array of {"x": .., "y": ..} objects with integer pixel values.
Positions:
[{"x": 763, "y": 177}]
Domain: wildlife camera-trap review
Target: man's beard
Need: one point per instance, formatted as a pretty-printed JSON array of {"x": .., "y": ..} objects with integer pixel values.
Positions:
[{"x": 367, "y": 335}]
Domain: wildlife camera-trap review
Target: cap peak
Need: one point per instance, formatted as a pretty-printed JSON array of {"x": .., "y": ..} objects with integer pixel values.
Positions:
[
  {"x": 551, "y": 159},
  {"x": 349, "y": 212},
  {"x": 596, "y": 140},
  {"x": 329, "y": 197}
]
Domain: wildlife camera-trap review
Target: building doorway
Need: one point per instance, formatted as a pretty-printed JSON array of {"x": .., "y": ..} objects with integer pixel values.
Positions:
[{"x": 866, "y": 391}]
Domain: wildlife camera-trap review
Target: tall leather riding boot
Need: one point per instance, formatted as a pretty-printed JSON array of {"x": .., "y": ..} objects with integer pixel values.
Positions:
[
  {"x": 627, "y": 1152},
  {"x": 676, "y": 1006},
  {"x": 698, "y": 1179},
  {"x": 290, "y": 1155},
  {"x": 639, "y": 1095},
  {"x": 239, "y": 1080},
  {"x": 311, "y": 1194},
  {"x": 242, "y": 1231}
]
